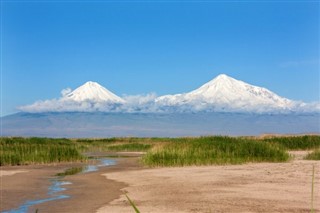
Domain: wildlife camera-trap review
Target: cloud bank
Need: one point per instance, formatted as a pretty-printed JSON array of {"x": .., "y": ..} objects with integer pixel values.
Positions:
[
  {"x": 133, "y": 103},
  {"x": 147, "y": 104}
]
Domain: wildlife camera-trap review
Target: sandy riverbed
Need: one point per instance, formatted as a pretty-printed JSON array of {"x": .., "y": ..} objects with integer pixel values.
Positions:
[
  {"x": 87, "y": 192},
  {"x": 263, "y": 187}
]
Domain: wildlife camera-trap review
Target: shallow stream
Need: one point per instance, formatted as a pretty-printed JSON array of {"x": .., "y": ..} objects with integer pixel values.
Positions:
[{"x": 56, "y": 187}]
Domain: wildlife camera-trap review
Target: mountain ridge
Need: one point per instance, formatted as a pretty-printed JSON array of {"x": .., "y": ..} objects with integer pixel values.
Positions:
[{"x": 221, "y": 94}]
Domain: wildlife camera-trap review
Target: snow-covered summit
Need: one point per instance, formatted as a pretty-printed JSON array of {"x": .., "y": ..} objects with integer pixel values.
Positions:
[
  {"x": 221, "y": 94},
  {"x": 227, "y": 93},
  {"x": 92, "y": 91}
]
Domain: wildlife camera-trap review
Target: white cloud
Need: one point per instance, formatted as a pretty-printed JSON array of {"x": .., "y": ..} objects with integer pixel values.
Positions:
[
  {"x": 61, "y": 105},
  {"x": 133, "y": 103},
  {"x": 147, "y": 103},
  {"x": 66, "y": 91}
]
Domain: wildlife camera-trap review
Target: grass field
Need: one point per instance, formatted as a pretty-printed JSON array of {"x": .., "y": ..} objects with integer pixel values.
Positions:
[
  {"x": 159, "y": 151},
  {"x": 315, "y": 155},
  {"x": 296, "y": 143},
  {"x": 214, "y": 150},
  {"x": 20, "y": 151}
]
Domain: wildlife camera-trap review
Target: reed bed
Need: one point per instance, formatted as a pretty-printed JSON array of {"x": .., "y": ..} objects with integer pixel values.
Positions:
[
  {"x": 315, "y": 155},
  {"x": 70, "y": 171},
  {"x": 114, "y": 144},
  {"x": 129, "y": 147},
  {"x": 214, "y": 150},
  {"x": 160, "y": 151},
  {"x": 306, "y": 142},
  {"x": 21, "y": 151}
]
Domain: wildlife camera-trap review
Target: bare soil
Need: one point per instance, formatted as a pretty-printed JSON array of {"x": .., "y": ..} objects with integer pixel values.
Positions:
[
  {"x": 88, "y": 191},
  {"x": 260, "y": 187}
]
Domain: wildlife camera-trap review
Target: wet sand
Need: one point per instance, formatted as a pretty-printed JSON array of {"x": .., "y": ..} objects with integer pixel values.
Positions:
[
  {"x": 16, "y": 187},
  {"x": 88, "y": 191}
]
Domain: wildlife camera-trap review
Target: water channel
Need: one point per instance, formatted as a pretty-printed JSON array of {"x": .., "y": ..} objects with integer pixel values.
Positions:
[{"x": 57, "y": 186}]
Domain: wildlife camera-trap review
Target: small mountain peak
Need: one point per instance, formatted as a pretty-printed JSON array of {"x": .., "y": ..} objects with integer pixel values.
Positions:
[
  {"x": 221, "y": 80},
  {"x": 223, "y": 77},
  {"x": 91, "y": 83},
  {"x": 93, "y": 91}
]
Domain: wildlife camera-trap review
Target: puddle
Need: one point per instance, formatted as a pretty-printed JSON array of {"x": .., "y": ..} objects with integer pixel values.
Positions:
[
  {"x": 57, "y": 186},
  {"x": 103, "y": 162}
]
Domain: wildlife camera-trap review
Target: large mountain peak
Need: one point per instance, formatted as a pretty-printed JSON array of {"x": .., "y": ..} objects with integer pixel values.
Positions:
[
  {"x": 91, "y": 84},
  {"x": 224, "y": 92},
  {"x": 222, "y": 77},
  {"x": 221, "y": 84},
  {"x": 92, "y": 91}
]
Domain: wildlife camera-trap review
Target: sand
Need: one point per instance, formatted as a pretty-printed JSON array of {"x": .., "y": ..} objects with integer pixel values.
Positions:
[
  {"x": 16, "y": 186},
  {"x": 9, "y": 173},
  {"x": 259, "y": 187},
  {"x": 88, "y": 191}
]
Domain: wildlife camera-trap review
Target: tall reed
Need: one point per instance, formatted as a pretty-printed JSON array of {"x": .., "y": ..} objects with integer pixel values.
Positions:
[
  {"x": 306, "y": 142},
  {"x": 19, "y": 151},
  {"x": 213, "y": 150}
]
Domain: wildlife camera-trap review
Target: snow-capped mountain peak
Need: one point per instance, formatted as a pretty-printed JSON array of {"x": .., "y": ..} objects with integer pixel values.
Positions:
[
  {"x": 221, "y": 94},
  {"x": 221, "y": 84},
  {"x": 227, "y": 93},
  {"x": 92, "y": 91}
]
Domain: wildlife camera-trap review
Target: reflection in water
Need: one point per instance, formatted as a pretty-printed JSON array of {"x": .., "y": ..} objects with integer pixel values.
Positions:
[
  {"x": 56, "y": 187},
  {"x": 103, "y": 162}
]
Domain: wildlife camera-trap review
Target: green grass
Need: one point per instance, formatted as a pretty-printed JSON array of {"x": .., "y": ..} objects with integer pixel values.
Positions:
[
  {"x": 132, "y": 204},
  {"x": 214, "y": 150},
  {"x": 113, "y": 144},
  {"x": 315, "y": 155},
  {"x": 71, "y": 171},
  {"x": 307, "y": 142},
  {"x": 129, "y": 147},
  {"x": 21, "y": 151},
  {"x": 160, "y": 151}
]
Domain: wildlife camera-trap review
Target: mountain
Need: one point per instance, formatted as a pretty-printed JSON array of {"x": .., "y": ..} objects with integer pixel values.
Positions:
[
  {"x": 223, "y": 106},
  {"x": 90, "y": 97},
  {"x": 94, "y": 92},
  {"x": 224, "y": 93},
  {"x": 101, "y": 124}
]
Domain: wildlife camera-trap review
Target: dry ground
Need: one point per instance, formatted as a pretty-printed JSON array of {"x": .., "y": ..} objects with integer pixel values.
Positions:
[
  {"x": 260, "y": 187},
  {"x": 263, "y": 187}
]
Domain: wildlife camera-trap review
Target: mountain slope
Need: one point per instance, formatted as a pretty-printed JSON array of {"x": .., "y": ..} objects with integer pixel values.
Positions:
[
  {"x": 90, "y": 97},
  {"x": 224, "y": 93},
  {"x": 92, "y": 91},
  {"x": 99, "y": 124}
]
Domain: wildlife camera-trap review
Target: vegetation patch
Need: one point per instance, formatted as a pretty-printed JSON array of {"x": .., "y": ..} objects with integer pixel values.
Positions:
[
  {"x": 129, "y": 147},
  {"x": 22, "y": 151},
  {"x": 71, "y": 171},
  {"x": 307, "y": 142},
  {"x": 160, "y": 151},
  {"x": 315, "y": 155},
  {"x": 214, "y": 150}
]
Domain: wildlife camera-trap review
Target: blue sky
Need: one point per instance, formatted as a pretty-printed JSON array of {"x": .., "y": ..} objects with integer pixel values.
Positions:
[{"x": 162, "y": 47}]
